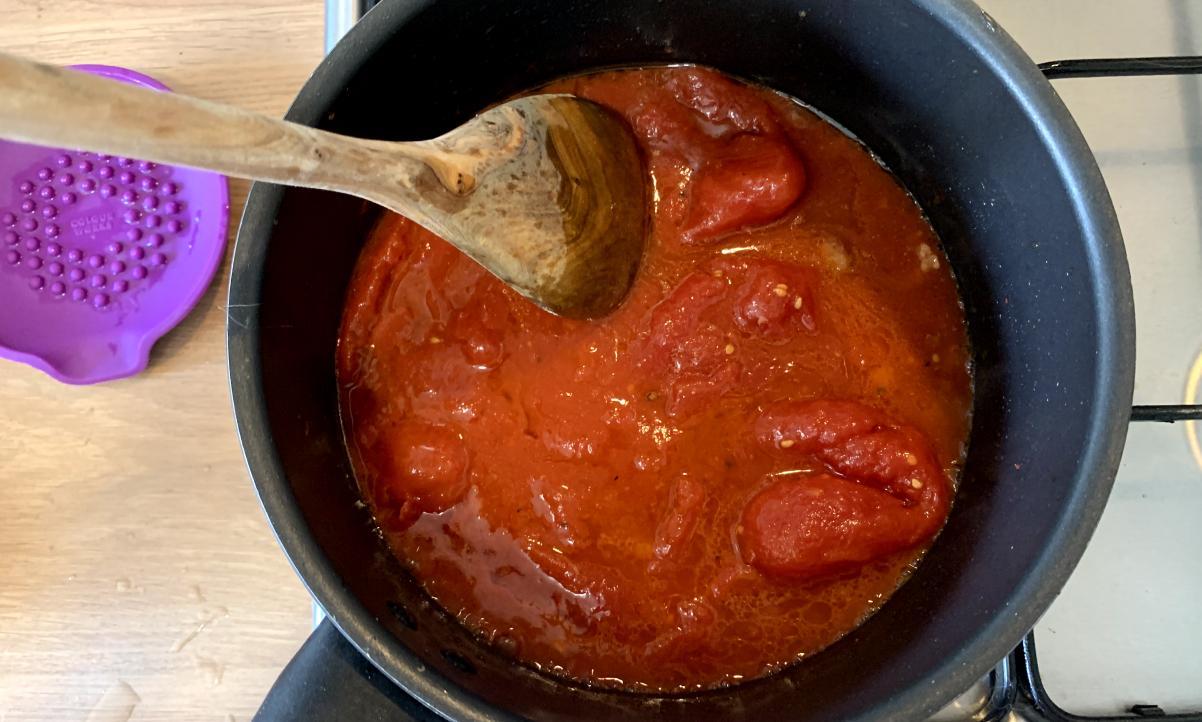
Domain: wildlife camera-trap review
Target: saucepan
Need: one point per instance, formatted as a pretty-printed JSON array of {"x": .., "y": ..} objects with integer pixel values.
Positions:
[{"x": 950, "y": 104}]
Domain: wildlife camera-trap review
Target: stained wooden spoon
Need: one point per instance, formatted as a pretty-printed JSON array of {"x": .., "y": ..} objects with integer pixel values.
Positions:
[{"x": 544, "y": 191}]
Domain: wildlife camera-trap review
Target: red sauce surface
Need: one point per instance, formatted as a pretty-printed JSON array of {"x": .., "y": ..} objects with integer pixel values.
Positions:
[{"x": 727, "y": 474}]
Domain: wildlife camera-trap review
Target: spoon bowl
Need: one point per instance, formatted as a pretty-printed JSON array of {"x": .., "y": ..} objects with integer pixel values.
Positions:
[{"x": 545, "y": 191}]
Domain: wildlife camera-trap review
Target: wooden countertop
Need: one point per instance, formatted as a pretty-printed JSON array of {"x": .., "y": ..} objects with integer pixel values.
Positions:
[{"x": 138, "y": 577}]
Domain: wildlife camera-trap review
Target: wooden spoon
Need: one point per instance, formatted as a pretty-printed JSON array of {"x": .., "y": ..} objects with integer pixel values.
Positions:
[{"x": 546, "y": 191}]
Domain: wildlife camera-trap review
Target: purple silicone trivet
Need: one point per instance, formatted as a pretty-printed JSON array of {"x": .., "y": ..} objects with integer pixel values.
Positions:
[{"x": 100, "y": 256}]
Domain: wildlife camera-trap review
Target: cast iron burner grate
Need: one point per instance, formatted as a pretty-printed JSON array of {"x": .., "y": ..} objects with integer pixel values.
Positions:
[{"x": 1015, "y": 684}]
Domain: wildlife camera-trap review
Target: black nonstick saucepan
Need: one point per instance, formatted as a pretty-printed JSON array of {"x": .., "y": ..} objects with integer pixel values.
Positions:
[{"x": 951, "y": 105}]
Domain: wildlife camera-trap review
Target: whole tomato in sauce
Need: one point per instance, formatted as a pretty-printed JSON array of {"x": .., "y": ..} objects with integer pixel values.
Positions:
[{"x": 727, "y": 474}]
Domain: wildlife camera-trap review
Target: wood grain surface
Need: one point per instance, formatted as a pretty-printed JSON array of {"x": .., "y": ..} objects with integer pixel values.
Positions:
[{"x": 138, "y": 577}]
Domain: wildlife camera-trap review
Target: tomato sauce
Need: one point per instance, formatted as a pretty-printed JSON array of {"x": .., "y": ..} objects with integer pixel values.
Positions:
[{"x": 727, "y": 474}]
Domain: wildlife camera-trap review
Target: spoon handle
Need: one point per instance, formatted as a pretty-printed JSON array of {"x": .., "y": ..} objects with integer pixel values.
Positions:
[{"x": 48, "y": 105}]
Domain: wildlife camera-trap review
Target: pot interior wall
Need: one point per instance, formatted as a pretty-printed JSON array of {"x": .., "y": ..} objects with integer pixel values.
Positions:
[{"x": 958, "y": 133}]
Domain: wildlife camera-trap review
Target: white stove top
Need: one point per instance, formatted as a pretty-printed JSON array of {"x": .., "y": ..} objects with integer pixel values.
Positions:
[{"x": 1127, "y": 629}]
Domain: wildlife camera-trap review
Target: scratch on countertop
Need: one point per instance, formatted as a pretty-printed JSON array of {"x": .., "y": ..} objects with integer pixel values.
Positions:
[
  {"x": 210, "y": 669},
  {"x": 115, "y": 705},
  {"x": 207, "y": 618}
]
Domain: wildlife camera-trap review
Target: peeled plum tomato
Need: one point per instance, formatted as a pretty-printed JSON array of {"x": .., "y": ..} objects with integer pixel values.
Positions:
[
  {"x": 696, "y": 330},
  {"x": 890, "y": 495},
  {"x": 429, "y": 465},
  {"x": 573, "y": 491},
  {"x": 748, "y": 181},
  {"x": 734, "y": 165}
]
